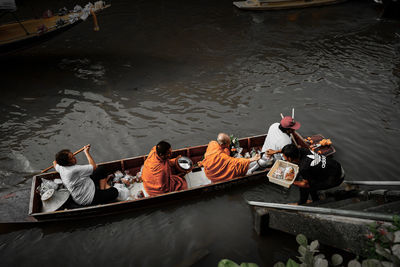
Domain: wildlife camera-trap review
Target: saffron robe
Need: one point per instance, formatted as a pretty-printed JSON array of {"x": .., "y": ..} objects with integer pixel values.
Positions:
[
  {"x": 220, "y": 166},
  {"x": 157, "y": 175}
]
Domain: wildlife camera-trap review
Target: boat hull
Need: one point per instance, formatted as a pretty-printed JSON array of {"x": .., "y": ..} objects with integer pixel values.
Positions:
[
  {"x": 290, "y": 4},
  {"x": 134, "y": 165},
  {"x": 15, "y": 37}
]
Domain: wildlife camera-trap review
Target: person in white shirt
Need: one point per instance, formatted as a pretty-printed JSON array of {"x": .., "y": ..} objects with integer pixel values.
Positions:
[
  {"x": 278, "y": 136},
  {"x": 81, "y": 180}
]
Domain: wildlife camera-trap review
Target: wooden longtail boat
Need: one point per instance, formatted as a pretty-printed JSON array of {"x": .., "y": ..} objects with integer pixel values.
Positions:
[
  {"x": 282, "y": 4},
  {"x": 21, "y": 33},
  {"x": 133, "y": 165}
]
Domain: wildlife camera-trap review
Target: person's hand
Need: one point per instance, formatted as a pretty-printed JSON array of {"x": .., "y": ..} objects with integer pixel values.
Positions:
[
  {"x": 270, "y": 152},
  {"x": 86, "y": 148},
  {"x": 255, "y": 158},
  {"x": 303, "y": 184}
]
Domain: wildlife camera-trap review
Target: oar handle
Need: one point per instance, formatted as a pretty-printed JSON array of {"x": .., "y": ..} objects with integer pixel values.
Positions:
[
  {"x": 96, "y": 25},
  {"x": 76, "y": 152}
]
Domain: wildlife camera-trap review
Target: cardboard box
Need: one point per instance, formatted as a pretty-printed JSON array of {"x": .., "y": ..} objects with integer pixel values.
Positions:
[{"x": 282, "y": 182}]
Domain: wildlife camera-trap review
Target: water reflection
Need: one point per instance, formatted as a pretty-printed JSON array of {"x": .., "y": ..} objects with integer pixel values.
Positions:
[{"x": 184, "y": 72}]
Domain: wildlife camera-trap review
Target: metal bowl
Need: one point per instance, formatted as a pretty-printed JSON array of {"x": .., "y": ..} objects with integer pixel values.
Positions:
[{"x": 185, "y": 163}]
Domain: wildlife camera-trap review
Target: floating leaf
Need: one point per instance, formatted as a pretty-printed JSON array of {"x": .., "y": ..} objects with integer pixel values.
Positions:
[
  {"x": 247, "y": 264},
  {"x": 354, "y": 263},
  {"x": 301, "y": 239},
  {"x": 396, "y": 237},
  {"x": 292, "y": 263},
  {"x": 336, "y": 259},
  {"x": 302, "y": 250},
  {"x": 396, "y": 250},
  {"x": 390, "y": 236},
  {"x": 227, "y": 263},
  {"x": 314, "y": 245},
  {"x": 396, "y": 221},
  {"x": 321, "y": 263},
  {"x": 319, "y": 256},
  {"x": 382, "y": 251},
  {"x": 387, "y": 264},
  {"x": 371, "y": 263}
]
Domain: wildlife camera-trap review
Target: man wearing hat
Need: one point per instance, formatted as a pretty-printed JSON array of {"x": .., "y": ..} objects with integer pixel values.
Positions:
[
  {"x": 279, "y": 135},
  {"x": 316, "y": 172}
]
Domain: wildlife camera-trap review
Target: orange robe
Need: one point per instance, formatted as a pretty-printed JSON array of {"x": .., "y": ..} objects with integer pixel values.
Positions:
[
  {"x": 220, "y": 166},
  {"x": 157, "y": 175}
]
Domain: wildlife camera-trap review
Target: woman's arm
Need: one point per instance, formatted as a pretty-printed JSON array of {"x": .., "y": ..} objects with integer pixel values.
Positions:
[
  {"x": 89, "y": 157},
  {"x": 271, "y": 152},
  {"x": 302, "y": 183}
]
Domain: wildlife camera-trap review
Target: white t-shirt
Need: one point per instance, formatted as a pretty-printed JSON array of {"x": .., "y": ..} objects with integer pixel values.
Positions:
[
  {"x": 276, "y": 139},
  {"x": 76, "y": 179}
]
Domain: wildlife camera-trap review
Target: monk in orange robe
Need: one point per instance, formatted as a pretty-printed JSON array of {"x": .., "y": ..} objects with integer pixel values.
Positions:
[
  {"x": 157, "y": 174},
  {"x": 219, "y": 165}
]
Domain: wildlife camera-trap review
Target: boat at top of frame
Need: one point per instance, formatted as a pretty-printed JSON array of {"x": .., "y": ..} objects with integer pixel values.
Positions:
[
  {"x": 282, "y": 4},
  {"x": 19, "y": 34}
]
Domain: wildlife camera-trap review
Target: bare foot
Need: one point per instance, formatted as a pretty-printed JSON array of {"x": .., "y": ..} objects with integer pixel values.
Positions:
[{"x": 296, "y": 204}]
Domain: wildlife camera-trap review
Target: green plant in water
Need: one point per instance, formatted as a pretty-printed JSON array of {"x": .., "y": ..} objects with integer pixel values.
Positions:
[
  {"x": 308, "y": 256},
  {"x": 384, "y": 250},
  {"x": 229, "y": 263},
  {"x": 384, "y": 243}
]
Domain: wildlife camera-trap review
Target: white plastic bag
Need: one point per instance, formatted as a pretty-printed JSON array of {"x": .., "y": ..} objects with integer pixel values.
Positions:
[{"x": 123, "y": 192}]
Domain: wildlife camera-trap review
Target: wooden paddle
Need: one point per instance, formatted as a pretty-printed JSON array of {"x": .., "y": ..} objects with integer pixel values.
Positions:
[{"x": 76, "y": 152}]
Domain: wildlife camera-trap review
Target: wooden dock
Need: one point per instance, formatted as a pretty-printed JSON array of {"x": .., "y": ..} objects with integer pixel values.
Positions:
[{"x": 341, "y": 222}]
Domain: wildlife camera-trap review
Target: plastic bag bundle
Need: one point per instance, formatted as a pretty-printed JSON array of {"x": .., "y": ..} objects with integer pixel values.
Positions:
[
  {"x": 60, "y": 22},
  {"x": 289, "y": 173},
  {"x": 46, "y": 185},
  {"x": 99, "y": 5},
  {"x": 72, "y": 18},
  {"x": 123, "y": 192},
  {"x": 279, "y": 172},
  {"x": 77, "y": 9},
  {"x": 62, "y": 11},
  {"x": 117, "y": 176}
]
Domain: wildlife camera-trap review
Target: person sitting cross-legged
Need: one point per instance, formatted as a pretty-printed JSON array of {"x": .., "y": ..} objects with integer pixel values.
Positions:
[
  {"x": 157, "y": 174},
  {"x": 219, "y": 165},
  {"x": 81, "y": 180}
]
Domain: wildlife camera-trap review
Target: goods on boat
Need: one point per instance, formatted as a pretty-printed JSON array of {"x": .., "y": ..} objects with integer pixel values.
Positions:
[{"x": 283, "y": 173}]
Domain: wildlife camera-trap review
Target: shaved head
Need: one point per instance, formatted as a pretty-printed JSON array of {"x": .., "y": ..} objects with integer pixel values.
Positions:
[{"x": 223, "y": 139}]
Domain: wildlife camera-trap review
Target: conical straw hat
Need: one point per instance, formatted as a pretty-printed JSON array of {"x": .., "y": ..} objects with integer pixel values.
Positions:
[{"x": 55, "y": 201}]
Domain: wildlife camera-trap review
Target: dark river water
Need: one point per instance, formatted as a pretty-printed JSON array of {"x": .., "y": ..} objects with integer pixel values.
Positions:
[{"x": 183, "y": 71}]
